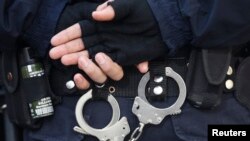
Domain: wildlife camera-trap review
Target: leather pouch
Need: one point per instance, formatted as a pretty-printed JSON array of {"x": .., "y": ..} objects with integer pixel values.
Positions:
[
  {"x": 28, "y": 97},
  {"x": 206, "y": 72},
  {"x": 242, "y": 82}
]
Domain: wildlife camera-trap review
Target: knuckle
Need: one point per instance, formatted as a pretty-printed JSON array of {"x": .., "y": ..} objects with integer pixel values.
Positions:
[
  {"x": 67, "y": 48},
  {"x": 91, "y": 72},
  {"x": 80, "y": 44},
  {"x": 108, "y": 68},
  {"x": 67, "y": 34}
]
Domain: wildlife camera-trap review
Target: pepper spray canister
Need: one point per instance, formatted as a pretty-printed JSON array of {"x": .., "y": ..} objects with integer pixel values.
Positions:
[
  {"x": 35, "y": 83},
  {"x": 32, "y": 100}
]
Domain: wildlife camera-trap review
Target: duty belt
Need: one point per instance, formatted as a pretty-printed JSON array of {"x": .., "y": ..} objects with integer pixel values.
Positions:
[
  {"x": 127, "y": 87},
  {"x": 118, "y": 128},
  {"x": 62, "y": 83}
]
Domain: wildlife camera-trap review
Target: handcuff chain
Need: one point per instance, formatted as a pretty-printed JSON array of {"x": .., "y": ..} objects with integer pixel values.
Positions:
[{"x": 137, "y": 133}]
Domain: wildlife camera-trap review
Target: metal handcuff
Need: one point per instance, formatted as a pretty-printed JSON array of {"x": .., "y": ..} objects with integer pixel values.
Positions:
[
  {"x": 141, "y": 106},
  {"x": 117, "y": 129}
]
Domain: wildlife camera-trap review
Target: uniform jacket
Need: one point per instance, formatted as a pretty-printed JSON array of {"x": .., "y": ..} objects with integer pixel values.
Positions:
[
  {"x": 35, "y": 20},
  {"x": 203, "y": 23}
]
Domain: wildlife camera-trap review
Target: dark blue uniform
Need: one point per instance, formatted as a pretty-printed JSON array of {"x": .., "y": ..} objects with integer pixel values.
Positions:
[
  {"x": 34, "y": 20},
  {"x": 201, "y": 23}
]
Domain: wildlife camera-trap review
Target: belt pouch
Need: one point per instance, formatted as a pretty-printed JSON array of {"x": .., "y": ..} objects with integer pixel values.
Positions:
[
  {"x": 206, "y": 72},
  {"x": 30, "y": 99},
  {"x": 242, "y": 82}
]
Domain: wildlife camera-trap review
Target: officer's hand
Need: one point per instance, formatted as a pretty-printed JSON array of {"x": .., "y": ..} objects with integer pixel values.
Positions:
[
  {"x": 72, "y": 14},
  {"x": 99, "y": 71},
  {"x": 75, "y": 12},
  {"x": 106, "y": 67},
  {"x": 132, "y": 35},
  {"x": 126, "y": 31},
  {"x": 69, "y": 47}
]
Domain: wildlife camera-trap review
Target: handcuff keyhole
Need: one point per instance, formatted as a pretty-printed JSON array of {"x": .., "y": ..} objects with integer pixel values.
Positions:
[{"x": 138, "y": 107}]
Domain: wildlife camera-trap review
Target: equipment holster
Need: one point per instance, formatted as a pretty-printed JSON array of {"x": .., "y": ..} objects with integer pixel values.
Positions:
[
  {"x": 206, "y": 73},
  {"x": 28, "y": 92},
  {"x": 242, "y": 82}
]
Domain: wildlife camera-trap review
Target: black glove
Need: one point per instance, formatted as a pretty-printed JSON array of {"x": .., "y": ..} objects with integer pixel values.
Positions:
[
  {"x": 74, "y": 13},
  {"x": 132, "y": 37}
]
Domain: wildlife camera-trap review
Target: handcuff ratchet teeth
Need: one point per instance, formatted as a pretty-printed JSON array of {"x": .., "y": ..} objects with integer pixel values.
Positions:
[{"x": 116, "y": 130}]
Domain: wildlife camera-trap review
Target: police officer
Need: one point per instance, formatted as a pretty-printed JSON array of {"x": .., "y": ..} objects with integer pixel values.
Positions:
[
  {"x": 35, "y": 30},
  {"x": 33, "y": 23},
  {"x": 177, "y": 129},
  {"x": 206, "y": 25}
]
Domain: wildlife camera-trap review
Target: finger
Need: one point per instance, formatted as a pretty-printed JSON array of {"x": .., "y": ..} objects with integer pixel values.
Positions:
[
  {"x": 110, "y": 68},
  {"x": 104, "y": 14},
  {"x": 67, "y": 48},
  {"x": 121, "y": 8},
  {"x": 91, "y": 69},
  {"x": 72, "y": 59},
  {"x": 143, "y": 67},
  {"x": 81, "y": 82},
  {"x": 66, "y": 35}
]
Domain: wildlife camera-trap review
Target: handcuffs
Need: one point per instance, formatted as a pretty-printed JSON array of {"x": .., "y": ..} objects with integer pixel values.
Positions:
[{"x": 117, "y": 129}]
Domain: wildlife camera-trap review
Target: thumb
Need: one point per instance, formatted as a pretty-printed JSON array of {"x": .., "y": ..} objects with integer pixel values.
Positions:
[
  {"x": 143, "y": 67},
  {"x": 105, "y": 13}
]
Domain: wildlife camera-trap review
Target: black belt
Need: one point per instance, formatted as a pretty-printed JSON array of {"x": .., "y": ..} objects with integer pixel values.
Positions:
[{"x": 128, "y": 86}]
